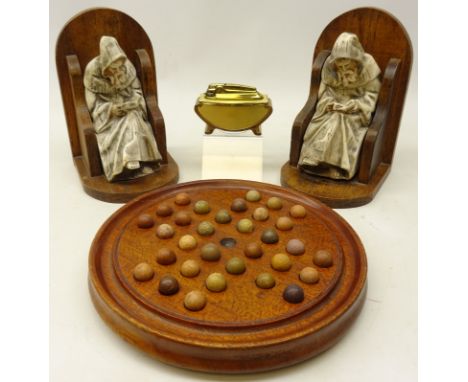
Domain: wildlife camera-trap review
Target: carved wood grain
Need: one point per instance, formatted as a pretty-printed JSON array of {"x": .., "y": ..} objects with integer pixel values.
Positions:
[
  {"x": 371, "y": 151},
  {"x": 86, "y": 134},
  {"x": 147, "y": 75}
]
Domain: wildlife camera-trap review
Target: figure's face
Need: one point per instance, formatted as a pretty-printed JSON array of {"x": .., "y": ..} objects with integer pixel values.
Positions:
[
  {"x": 117, "y": 72},
  {"x": 347, "y": 71}
]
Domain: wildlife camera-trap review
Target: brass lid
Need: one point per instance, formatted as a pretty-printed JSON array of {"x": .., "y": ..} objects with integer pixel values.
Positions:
[{"x": 232, "y": 93}]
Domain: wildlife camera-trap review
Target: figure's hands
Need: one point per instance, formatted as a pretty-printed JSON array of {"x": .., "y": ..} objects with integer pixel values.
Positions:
[
  {"x": 118, "y": 110},
  {"x": 348, "y": 108},
  {"x": 130, "y": 105},
  {"x": 351, "y": 107},
  {"x": 335, "y": 107}
]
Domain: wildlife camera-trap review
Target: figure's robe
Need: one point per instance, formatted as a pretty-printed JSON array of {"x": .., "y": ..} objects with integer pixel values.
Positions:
[
  {"x": 126, "y": 138},
  {"x": 122, "y": 139},
  {"x": 333, "y": 139}
]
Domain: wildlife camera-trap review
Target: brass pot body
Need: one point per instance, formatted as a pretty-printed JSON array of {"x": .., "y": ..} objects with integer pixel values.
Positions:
[{"x": 233, "y": 107}]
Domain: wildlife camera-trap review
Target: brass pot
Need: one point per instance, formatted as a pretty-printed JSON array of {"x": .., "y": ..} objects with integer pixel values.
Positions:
[{"x": 233, "y": 107}]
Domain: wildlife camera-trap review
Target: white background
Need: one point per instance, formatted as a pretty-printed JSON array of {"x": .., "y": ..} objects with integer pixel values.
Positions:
[{"x": 268, "y": 44}]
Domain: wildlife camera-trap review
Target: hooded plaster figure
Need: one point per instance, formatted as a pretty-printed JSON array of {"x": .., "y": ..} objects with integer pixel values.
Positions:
[
  {"x": 347, "y": 97},
  {"x": 114, "y": 97}
]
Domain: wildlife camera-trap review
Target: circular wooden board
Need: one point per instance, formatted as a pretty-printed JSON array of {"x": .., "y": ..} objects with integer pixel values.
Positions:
[{"x": 244, "y": 328}]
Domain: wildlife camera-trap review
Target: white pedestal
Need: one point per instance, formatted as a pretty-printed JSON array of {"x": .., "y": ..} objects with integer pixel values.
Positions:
[{"x": 232, "y": 155}]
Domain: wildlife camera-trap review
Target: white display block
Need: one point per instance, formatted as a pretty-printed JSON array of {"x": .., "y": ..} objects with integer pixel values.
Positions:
[{"x": 232, "y": 155}]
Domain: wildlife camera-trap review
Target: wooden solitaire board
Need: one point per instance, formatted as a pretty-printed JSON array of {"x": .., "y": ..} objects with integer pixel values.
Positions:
[{"x": 243, "y": 328}]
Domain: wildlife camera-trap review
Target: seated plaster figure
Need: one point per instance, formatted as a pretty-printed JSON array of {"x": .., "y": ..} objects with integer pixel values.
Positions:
[
  {"x": 114, "y": 97},
  {"x": 347, "y": 97}
]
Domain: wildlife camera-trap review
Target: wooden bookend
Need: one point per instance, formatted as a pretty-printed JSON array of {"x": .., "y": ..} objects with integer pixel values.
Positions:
[
  {"x": 382, "y": 36},
  {"x": 78, "y": 43}
]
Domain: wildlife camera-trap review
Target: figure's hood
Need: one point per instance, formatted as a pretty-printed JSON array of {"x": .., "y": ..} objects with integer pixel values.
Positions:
[
  {"x": 109, "y": 52},
  {"x": 347, "y": 45}
]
